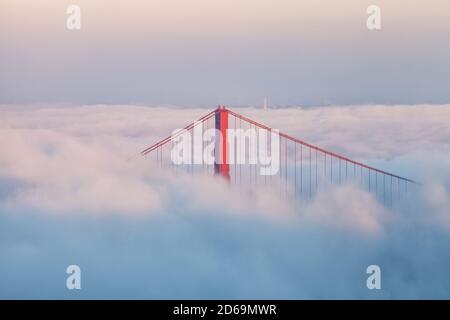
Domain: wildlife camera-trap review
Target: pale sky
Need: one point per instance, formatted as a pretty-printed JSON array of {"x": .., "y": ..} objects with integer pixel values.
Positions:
[{"x": 206, "y": 52}]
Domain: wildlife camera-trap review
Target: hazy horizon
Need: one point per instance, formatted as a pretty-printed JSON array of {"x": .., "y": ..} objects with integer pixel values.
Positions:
[{"x": 222, "y": 52}]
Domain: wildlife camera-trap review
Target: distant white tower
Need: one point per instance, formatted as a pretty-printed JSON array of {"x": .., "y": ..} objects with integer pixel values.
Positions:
[{"x": 265, "y": 103}]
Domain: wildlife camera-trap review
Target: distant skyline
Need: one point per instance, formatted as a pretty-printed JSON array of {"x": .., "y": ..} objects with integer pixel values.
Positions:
[{"x": 230, "y": 52}]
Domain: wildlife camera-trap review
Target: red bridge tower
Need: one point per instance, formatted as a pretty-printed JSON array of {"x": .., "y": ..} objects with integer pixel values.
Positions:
[{"x": 221, "y": 155}]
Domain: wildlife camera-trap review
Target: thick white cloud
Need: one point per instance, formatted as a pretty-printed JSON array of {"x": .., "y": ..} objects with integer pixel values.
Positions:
[
  {"x": 86, "y": 158},
  {"x": 83, "y": 162}
]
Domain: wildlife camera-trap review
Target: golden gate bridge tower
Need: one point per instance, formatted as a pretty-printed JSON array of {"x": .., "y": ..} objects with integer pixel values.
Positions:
[{"x": 303, "y": 167}]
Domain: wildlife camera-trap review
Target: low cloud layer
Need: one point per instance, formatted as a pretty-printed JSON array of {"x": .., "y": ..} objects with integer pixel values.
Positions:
[{"x": 73, "y": 191}]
